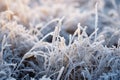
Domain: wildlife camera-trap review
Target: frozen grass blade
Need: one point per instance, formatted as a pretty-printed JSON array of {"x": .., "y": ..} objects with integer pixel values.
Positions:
[{"x": 96, "y": 19}]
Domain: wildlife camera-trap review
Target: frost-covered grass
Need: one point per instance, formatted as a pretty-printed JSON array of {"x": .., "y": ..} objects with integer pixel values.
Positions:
[{"x": 59, "y": 40}]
